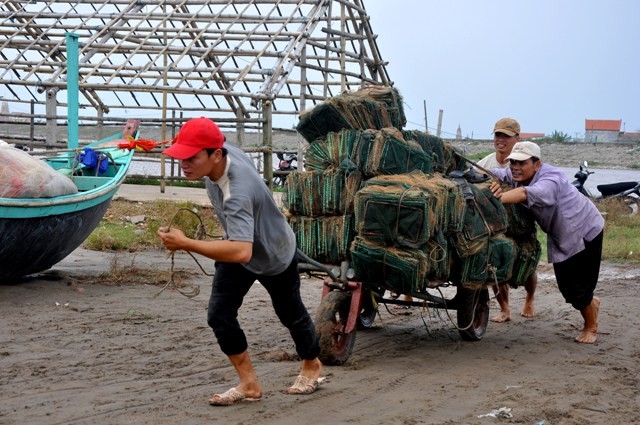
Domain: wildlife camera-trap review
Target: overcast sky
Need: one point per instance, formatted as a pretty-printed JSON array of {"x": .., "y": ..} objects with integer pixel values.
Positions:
[{"x": 550, "y": 64}]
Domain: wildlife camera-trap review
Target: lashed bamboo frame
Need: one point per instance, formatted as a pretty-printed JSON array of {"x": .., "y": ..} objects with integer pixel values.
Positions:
[
  {"x": 226, "y": 59},
  {"x": 217, "y": 51}
]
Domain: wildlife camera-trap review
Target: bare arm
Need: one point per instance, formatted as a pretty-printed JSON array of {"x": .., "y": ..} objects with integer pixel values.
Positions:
[
  {"x": 513, "y": 196},
  {"x": 227, "y": 251}
]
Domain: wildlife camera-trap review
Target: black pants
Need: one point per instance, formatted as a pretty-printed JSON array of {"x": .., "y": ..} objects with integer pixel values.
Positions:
[
  {"x": 577, "y": 276},
  {"x": 232, "y": 282}
]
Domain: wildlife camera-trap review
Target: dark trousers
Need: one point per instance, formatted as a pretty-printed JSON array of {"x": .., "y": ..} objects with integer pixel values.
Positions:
[
  {"x": 231, "y": 283},
  {"x": 577, "y": 276}
]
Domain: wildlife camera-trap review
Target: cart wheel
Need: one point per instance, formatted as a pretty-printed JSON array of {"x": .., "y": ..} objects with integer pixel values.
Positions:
[
  {"x": 331, "y": 320},
  {"x": 367, "y": 311},
  {"x": 473, "y": 312}
]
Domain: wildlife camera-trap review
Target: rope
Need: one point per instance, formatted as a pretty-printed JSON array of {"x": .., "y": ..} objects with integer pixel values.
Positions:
[
  {"x": 194, "y": 290},
  {"x": 476, "y": 299},
  {"x": 484, "y": 219},
  {"x": 397, "y": 224}
]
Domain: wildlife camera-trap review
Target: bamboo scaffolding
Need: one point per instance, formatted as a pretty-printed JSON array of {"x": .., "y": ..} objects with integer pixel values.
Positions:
[{"x": 197, "y": 57}]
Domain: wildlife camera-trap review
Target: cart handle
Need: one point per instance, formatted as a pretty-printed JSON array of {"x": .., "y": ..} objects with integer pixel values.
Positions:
[{"x": 322, "y": 267}]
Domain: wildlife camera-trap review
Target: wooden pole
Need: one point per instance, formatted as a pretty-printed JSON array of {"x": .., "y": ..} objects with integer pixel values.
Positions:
[
  {"x": 439, "y": 122},
  {"x": 163, "y": 127},
  {"x": 240, "y": 134},
  {"x": 303, "y": 106},
  {"x": 426, "y": 125},
  {"x": 343, "y": 81},
  {"x": 267, "y": 142}
]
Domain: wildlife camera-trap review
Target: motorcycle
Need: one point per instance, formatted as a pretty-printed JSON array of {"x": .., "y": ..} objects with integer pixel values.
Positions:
[
  {"x": 285, "y": 166},
  {"x": 626, "y": 192}
]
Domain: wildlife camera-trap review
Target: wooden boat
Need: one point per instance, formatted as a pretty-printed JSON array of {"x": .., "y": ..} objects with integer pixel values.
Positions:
[{"x": 37, "y": 233}]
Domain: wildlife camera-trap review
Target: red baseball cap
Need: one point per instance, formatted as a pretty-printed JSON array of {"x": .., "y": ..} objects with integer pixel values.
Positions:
[{"x": 195, "y": 135}]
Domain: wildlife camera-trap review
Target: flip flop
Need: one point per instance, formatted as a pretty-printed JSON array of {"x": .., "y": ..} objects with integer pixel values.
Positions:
[
  {"x": 229, "y": 397},
  {"x": 304, "y": 385}
]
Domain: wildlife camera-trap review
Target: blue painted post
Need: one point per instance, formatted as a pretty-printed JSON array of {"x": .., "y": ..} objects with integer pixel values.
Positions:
[{"x": 72, "y": 89}]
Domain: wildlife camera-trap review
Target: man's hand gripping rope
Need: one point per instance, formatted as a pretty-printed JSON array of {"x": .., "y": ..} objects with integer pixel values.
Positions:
[{"x": 200, "y": 235}]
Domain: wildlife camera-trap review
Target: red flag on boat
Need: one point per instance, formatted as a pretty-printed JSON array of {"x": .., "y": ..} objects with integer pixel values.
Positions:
[{"x": 139, "y": 144}]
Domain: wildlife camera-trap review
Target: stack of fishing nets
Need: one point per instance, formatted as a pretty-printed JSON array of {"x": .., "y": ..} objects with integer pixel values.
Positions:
[
  {"x": 402, "y": 222},
  {"x": 396, "y": 204},
  {"x": 385, "y": 151},
  {"x": 320, "y": 201},
  {"x": 374, "y": 107},
  {"x": 417, "y": 230},
  {"x": 320, "y": 212}
]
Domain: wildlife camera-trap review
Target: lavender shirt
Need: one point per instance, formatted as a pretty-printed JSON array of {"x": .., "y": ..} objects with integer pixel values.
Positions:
[{"x": 564, "y": 214}]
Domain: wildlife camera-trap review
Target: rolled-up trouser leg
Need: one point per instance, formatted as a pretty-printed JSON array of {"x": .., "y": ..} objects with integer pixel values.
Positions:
[{"x": 577, "y": 276}]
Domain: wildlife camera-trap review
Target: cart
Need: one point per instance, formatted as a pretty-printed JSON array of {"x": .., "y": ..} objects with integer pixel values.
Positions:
[{"x": 348, "y": 305}]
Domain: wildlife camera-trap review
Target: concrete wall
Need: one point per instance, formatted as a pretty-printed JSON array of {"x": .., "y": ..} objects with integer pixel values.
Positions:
[{"x": 597, "y": 136}]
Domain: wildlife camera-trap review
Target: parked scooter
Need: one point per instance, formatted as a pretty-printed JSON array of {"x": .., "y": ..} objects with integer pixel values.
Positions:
[
  {"x": 285, "y": 166},
  {"x": 627, "y": 192}
]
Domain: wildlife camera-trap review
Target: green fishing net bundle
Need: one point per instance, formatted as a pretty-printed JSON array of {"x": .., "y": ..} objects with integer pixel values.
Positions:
[
  {"x": 392, "y": 100},
  {"x": 522, "y": 224},
  {"x": 325, "y": 239},
  {"x": 527, "y": 256},
  {"x": 335, "y": 150},
  {"x": 369, "y": 108},
  {"x": 493, "y": 263},
  {"x": 399, "y": 270},
  {"x": 443, "y": 154},
  {"x": 407, "y": 210},
  {"x": 389, "y": 153},
  {"x": 373, "y": 152},
  {"x": 321, "y": 193},
  {"x": 484, "y": 217}
]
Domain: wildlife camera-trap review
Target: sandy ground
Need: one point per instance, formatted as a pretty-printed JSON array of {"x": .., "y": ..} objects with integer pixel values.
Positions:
[
  {"x": 74, "y": 350},
  {"x": 89, "y": 353}
]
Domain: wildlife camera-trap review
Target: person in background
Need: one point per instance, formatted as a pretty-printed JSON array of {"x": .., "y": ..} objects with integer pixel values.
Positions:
[
  {"x": 258, "y": 244},
  {"x": 506, "y": 133},
  {"x": 573, "y": 225}
]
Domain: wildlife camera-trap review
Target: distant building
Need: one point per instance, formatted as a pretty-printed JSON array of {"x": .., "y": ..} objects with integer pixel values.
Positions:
[
  {"x": 628, "y": 136},
  {"x": 602, "y": 130},
  {"x": 458, "y": 133},
  {"x": 531, "y": 136}
]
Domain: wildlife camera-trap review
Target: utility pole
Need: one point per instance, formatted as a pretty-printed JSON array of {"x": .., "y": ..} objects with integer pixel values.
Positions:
[
  {"x": 426, "y": 125},
  {"x": 439, "y": 122}
]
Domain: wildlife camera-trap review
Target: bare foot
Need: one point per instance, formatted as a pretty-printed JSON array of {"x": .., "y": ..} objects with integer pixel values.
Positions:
[
  {"x": 528, "y": 310},
  {"x": 501, "y": 317},
  {"x": 589, "y": 333}
]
